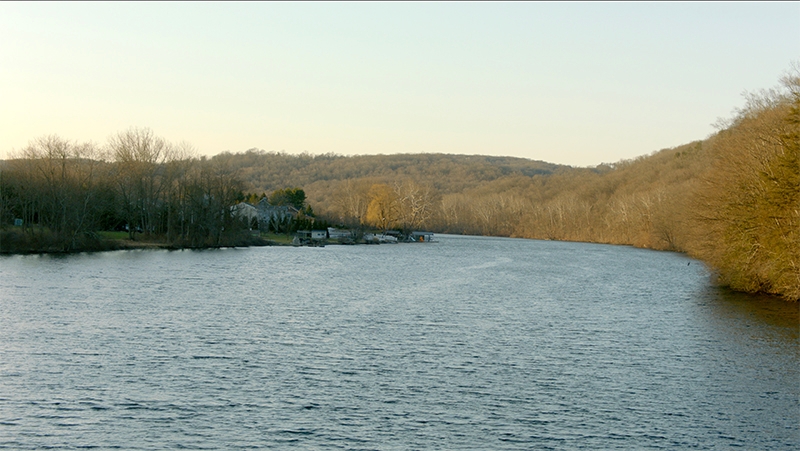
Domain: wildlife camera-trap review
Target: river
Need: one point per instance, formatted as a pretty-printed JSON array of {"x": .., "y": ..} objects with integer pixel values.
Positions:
[{"x": 468, "y": 343}]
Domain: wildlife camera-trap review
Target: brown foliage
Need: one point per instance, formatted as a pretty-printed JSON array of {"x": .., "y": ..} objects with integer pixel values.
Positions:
[{"x": 748, "y": 204}]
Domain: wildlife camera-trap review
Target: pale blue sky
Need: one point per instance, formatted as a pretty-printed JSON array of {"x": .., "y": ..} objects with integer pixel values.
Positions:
[{"x": 569, "y": 83}]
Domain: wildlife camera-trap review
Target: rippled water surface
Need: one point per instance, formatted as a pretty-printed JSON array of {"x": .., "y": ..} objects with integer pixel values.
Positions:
[{"x": 469, "y": 343}]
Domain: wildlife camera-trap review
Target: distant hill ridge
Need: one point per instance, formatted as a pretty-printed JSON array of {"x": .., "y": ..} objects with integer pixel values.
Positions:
[{"x": 267, "y": 171}]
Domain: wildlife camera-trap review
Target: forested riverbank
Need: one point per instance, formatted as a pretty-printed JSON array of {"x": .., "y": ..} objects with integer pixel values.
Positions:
[
  {"x": 731, "y": 200},
  {"x": 59, "y": 194}
]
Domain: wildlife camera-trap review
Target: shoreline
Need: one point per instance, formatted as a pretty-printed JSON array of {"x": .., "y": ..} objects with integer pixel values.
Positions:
[
  {"x": 111, "y": 244},
  {"x": 108, "y": 245}
]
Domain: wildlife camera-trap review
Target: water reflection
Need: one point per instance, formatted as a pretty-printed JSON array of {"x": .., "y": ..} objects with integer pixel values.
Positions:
[{"x": 738, "y": 311}]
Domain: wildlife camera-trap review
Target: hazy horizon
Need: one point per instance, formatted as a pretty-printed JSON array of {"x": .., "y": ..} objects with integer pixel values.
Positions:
[{"x": 567, "y": 83}]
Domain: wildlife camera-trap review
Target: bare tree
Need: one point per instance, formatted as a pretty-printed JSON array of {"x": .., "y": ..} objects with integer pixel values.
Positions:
[
  {"x": 140, "y": 159},
  {"x": 352, "y": 201},
  {"x": 414, "y": 203},
  {"x": 57, "y": 185}
]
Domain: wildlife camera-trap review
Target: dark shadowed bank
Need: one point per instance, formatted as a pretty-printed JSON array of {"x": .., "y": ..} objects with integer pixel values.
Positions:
[{"x": 17, "y": 242}]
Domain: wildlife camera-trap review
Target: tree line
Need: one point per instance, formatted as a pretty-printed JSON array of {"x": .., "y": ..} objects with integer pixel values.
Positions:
[
  {"x": 60, "y": 193},
  {"x": 732, "y": 200}
]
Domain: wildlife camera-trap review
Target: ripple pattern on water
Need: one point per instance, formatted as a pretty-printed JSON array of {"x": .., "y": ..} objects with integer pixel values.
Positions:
[{"x": 470, "y": 343}]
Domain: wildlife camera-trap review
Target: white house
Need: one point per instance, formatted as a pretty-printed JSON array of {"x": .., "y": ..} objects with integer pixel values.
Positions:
[
  {"x": 243, "y": 210},
  {"x": 279, "y": 213}
]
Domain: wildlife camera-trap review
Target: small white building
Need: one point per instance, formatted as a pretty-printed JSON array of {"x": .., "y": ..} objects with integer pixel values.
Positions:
[
  {"x": 310, "y": 238},
  {"x": 335, "y": 233}
]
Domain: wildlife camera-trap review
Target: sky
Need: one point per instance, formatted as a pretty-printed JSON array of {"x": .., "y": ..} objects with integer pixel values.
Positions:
[{"x": 564, "y": 82}]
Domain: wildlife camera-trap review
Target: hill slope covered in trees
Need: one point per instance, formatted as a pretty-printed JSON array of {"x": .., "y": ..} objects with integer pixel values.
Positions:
[{"x": 732, "y": 200}]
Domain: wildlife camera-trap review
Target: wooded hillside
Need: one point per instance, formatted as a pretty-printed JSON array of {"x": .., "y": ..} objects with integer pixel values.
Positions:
[{"x": 732, "y": 200}]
